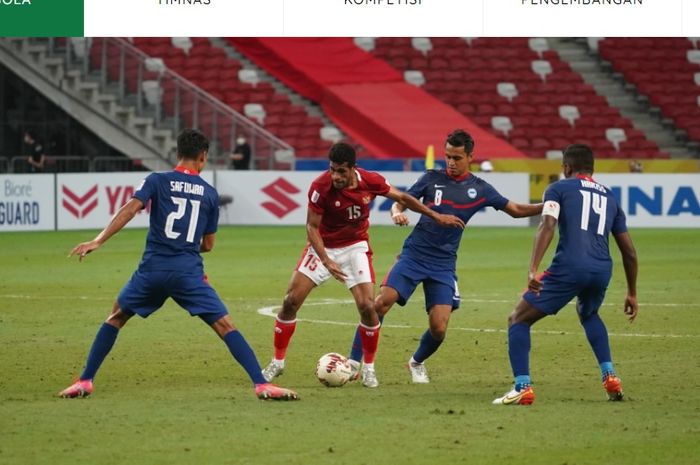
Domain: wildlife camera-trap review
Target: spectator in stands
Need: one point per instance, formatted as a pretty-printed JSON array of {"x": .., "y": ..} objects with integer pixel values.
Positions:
[
  {"x": 241, "y": 154},
  {"x": 636, "y": 167},
  {"x": 36, "y": 156}
]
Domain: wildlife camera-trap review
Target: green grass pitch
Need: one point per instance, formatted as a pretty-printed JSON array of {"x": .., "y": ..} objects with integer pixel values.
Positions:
[{"x": 170, "y": 393}]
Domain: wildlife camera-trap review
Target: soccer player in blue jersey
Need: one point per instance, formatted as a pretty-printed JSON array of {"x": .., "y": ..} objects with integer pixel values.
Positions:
[
  {"x": 429, "y": 253},
  {"x": 586, "y": 213},
  {"x": 183, "y": 223}
]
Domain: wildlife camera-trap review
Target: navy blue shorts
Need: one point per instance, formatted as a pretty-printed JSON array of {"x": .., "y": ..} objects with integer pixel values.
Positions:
[
  {"x": 439, "y": 286},
  {"x": 146, "y": 292},
  {"x": 559, "y": 288}
]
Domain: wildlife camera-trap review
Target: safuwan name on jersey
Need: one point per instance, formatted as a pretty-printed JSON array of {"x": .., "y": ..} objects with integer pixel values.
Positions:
[{"x": 186, "y": 187}]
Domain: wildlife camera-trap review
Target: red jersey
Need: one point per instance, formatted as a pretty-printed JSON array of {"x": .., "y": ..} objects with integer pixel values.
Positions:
[{"x": 345, "y": 213}]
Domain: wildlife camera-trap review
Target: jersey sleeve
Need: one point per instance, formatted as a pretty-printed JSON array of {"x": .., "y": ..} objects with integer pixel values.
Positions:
[
  {"x": 494, "y": 198},
  {"x": 417, "y": 190},
  {"x": 316, "y": 199},
  {"x": 376, "y": 183},
  {"x": 213, "y": 218},
  {"x": 147, "y": 189},
  {"x": 619, "y": 224}
]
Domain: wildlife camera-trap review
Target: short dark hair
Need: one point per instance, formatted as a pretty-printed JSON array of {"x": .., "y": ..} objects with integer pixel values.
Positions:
[
  {"x": 342, "y": 152},
  {"x": 190, "y": 143},
  {"x": 461, "y": 138},
  {"x": 579, "y": 157}
]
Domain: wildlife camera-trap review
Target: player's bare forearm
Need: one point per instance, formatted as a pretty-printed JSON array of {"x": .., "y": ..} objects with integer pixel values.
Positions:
[
  {"x": 125, "y": 214},
  {"x": 397, "y": 214},
  {"x": 629, "y": 261},
  {"x": 543, "y": 237},
  {"x": 415, "y": 205},
  {"x": 522, "y": 210}
]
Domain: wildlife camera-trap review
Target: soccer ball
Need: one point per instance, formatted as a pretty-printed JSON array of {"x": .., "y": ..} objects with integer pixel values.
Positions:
[{"x": 333, "y": 370}]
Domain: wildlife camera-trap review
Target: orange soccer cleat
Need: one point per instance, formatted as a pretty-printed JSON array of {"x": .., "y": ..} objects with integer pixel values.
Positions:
[
  {"x": 81, "y": 388},
  {"x": 613, "y": 386},
  {"x": 269, "y": 391}
]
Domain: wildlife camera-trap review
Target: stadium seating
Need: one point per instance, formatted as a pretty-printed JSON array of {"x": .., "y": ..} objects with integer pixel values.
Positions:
[
  {"x": 666, "y": 70},
  {"x": 209, "y": 68},
  {"x": 494, "y": 81}
]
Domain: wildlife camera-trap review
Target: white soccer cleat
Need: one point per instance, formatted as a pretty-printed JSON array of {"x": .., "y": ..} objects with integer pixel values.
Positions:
[
  {"x": 369, "y": 377},
  {"x": 525, "y": 396},
  {"x": 419, "y": 374},
  {"x": 273, "y": 370},
  {"x": 355, "y": 370}
]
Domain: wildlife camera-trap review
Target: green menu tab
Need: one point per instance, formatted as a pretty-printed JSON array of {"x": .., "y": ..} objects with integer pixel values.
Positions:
[{"x": 41, "y": 18}]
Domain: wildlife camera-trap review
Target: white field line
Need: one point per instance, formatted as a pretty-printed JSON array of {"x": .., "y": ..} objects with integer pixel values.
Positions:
[{"x": 271, "y": 311}]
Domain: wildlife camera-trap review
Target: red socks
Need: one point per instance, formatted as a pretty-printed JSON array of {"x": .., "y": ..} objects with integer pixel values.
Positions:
[
  {"x": 283, "y": 333},
  {"x": 370, "y": 341}
]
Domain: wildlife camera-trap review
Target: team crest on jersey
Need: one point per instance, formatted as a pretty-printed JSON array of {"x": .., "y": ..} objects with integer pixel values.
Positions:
[
  {"x": 366, "y": 199},
  {"x": 471, "y": 193}
]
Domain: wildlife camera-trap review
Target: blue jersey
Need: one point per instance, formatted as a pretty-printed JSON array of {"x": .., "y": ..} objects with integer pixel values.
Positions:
[
  {"x": 588, "y": 212},
  {"x": 184, "y": 208},
  {"x": 434, "y": 244}
]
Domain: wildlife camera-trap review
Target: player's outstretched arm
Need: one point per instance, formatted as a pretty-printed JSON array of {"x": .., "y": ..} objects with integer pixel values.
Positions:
[
  {"x": 521, "y": 210},
  {"x": 398, "y": 216},
  {"x": 543, "y": 237},
  {"x": 313, "y": 222},
  {"x": 125, "y": 214},
  {"x": 629, "y": 261},
  {"x": 412, "y": 203}
]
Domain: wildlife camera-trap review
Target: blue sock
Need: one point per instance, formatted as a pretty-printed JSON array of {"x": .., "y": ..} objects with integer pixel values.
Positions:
[
  {"x": 427, "y": 347},
  {"x": 356, "y": 350},
  {"x": 244, "y": 355},
  {"x": 104, "y": 340},
  {"x": 597, "y": 336},
  {"x": 522, "y": 381},
  {"x": 606, "y": 368},
  {"x": 519, "y": 352}
]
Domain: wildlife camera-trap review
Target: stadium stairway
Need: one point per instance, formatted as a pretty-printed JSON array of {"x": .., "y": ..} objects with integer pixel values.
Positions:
[
  {"x": 663, "y": 74},
  {"x": 72, "y": 89},
  {"x": 619, "y": 92},
  {"x": 215, "y": 67},
  {"x": 367, "y": 99},
  {"x": 521, "y": 90}
]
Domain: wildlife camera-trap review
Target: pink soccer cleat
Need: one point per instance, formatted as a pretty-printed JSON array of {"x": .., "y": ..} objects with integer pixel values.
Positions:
[
  {"x": 81, "y": 388},
  {"x": 269, "y": 391}
]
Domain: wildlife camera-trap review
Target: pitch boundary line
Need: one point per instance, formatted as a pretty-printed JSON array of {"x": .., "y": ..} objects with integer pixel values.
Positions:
[{"x": 271, "y": 311}]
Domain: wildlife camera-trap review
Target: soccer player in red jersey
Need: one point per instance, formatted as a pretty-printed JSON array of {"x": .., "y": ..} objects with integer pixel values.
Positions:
[{"x": 336, "y": 225}]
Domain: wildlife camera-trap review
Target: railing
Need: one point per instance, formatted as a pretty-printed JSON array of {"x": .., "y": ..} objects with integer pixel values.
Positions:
[{"x": 164, "y": 95}]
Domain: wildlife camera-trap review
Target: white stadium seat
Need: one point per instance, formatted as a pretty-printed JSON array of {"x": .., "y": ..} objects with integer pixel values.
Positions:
[
  {"x": 569, "y": 113},
  {"x": 184, "y": 43},
  {"x": 249, "y": 76},
  {"x": 507, "y": 90},
  {"x": 414, "y": 77},
  {"x": 539, "y": 45},
  {"x": 616, "y": 136},
  {"x": 542, "y": 68},
  {"x": 422, "y": 44},
  {"x": 365, "y": 43},
  {"x": 255, "y": 111},
  {"x": 502, "y": 123},
  {"x": 330, "y": 133}
]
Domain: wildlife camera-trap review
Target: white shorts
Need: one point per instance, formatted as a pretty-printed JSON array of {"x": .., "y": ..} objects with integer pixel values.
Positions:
[{"x": 355, "y": 260}]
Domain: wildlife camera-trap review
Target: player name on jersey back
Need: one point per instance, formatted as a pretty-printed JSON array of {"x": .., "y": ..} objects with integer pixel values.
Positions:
[
  {"x": 593, "y": 185},
  {"x": 186, "y": 187}
]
